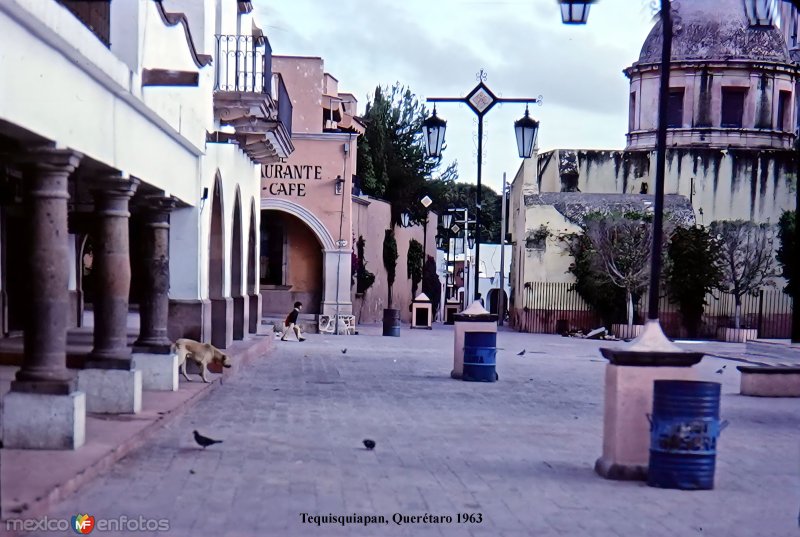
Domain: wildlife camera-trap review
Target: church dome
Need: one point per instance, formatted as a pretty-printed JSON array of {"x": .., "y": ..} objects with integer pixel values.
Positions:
[{"x": 715, "y": 30}]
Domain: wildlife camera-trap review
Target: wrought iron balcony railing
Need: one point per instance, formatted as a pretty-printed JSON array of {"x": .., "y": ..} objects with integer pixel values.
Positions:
[
  {"x": 243, "y": 64},
  {"x": 284, "y": 102}
]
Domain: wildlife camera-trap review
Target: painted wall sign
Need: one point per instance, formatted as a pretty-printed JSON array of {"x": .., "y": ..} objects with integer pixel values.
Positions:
[
  {"x": 293, "y": 172},
  {"x": 287, "y": 189}
]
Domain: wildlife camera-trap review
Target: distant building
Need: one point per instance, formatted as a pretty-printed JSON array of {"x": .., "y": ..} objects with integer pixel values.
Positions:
[{"x": 732, "y": 115}]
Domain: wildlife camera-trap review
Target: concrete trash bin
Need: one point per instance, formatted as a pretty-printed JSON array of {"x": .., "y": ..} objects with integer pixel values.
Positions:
[
  {"x": 474, "y": 319},
  {"x": 422, "y": 312},
  {"x": 450, "y": 311}
]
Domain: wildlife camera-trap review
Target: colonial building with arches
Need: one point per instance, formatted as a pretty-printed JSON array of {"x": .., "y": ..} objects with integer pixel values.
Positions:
[{"x": 132, "y": 135}]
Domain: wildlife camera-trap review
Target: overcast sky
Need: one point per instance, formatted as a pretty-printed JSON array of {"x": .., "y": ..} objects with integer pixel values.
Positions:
[{"x": 437, "y": 47}]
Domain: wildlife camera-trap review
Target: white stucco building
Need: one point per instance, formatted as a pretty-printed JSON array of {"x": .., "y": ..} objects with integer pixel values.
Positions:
[{"x": 131, "y": 138}]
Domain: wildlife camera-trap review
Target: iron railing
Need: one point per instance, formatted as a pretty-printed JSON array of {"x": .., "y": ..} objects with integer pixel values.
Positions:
[
  {"x": 550, "y": 307},
  {"x": 285, "y": 107},
  {"x": 244, "y": 63}
]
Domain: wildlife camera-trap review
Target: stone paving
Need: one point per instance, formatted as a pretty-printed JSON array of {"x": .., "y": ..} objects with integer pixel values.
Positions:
[{"x": 518, "y": 453}]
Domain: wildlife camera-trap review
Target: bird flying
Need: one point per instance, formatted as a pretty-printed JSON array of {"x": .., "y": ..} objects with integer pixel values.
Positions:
[
  {"x": 520, "y": 353},
  {"x": 369, "y": 444},
  {"x": 204, "y": 441},
  {"x": 344, "y": 351},
  {"x": 721, "y": 369}
]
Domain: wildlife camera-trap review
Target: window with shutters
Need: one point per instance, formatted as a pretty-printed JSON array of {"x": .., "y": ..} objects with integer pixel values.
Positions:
[
  {"x": 94, "y": 14},
  {"x": 784, "y": 109},
  {"x": 675, "y": 108},
  {"x": 732, "y": 107}
]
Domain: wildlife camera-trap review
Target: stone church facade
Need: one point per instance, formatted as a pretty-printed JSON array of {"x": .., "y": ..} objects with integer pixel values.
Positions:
[{"x": 732, "y": 116}]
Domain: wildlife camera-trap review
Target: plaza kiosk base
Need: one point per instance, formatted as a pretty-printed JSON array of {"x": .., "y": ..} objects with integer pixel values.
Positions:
[
  {"x": 422, "y": 312},
  {"x": 474, "y": 344},
  {"x": 630, "y": 375},
  {"x": 450, "y": 311}
]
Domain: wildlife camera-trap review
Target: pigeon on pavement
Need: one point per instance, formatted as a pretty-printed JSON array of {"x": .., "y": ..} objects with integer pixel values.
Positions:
[
  {"x": 204, "y": 441},
  {"x": 369, "y": 444},
  {"x": 721, "y": 369},
  {"x": 344, "y": 351},
  {"x": 520, "y": 353}
]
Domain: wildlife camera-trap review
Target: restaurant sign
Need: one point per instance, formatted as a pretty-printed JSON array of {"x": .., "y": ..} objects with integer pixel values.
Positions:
[{"x": 289, "y": 179}]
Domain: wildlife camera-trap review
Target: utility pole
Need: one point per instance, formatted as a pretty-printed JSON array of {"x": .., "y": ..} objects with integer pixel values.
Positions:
[{"x": 502, "y": 308}]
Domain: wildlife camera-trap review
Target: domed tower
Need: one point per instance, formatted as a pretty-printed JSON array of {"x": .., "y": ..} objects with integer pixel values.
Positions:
[{"x": 731, "y": 85}]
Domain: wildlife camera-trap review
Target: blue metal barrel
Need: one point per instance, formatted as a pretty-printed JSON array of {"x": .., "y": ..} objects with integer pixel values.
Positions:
[
  {"x": 683, "y": 434},
  {"x": 480, "y": 352}
]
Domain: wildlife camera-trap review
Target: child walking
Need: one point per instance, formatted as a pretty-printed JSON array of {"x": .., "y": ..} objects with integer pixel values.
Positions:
[{"x": 290, "y": 324}]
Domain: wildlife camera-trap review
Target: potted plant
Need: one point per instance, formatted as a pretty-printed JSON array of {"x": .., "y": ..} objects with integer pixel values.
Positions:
[{"x": 391, "y": 316}]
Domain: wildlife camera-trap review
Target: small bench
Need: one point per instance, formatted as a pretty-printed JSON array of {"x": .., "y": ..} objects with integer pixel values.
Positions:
[{"x": 770, "y": 381}]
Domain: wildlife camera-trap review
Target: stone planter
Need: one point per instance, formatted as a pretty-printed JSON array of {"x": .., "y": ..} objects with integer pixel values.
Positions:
[
  {"x": 732, "y": 335},
  {"x": 623, "y": 331}
]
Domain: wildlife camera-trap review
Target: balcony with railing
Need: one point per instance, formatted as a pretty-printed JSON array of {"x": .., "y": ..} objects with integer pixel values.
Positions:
[{"x": 251, "y": 98}]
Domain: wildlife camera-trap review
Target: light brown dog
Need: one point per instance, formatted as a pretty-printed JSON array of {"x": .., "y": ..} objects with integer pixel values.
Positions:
[{"x": 200, "y": 353}]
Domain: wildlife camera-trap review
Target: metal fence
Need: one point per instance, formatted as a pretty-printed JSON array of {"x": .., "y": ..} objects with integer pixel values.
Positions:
[
  {"x": 553, "y": 307},
  {"x": 243, "y": 63}
]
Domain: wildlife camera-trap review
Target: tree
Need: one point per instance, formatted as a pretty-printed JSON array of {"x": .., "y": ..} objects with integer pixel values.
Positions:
[
  {"x": 622, "y": 243},
  {"x": 431, "y": 285},
  {"x": 594, "y": 286},
  {"x": 451, "y": 194},
  {"x": 391, "y": 159},
  {"x": 414, "y": 262},
  {"x": 390, "y": 260},
  {"x": 364, "y": 278},
  {"x": 748, "y": 258},
  {"x": 694, "y": 271},
  {"x": 787, "y": 234}
]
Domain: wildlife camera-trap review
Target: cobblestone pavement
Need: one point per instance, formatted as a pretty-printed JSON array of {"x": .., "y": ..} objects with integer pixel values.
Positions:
[{"x": 518, "y": 452}]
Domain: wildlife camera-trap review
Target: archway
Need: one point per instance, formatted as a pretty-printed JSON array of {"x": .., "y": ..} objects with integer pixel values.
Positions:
[
  {"x": 291, "y": 262},
  {"x": 216, "y": 270},
  {"x": 239, "y": 310},
  {"x": 254, "y": 299}
]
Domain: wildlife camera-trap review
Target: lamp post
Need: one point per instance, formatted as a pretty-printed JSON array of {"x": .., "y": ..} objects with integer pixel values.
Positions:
[{"x": 480, "y": 100}]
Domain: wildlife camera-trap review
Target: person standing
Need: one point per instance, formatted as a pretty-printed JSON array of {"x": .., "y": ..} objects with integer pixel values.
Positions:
[{"x": 290, "y": 324}]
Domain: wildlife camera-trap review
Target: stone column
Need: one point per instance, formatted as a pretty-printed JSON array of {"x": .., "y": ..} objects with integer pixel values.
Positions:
[
  {"x": 152, "y": 354},
  {"x": 255, "y": 311},
  {"x": 154, "y": 307},
  {"x": 109, "y": 379},
  {"x": 43, "y": 410},
  {"x": 44, "y": 368}
]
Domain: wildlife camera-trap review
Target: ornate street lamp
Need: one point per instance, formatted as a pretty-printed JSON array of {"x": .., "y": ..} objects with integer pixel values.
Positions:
[
  {"x": 471, "y": 241},
  {"x": 575, "y": 11},
  {"x": 480, "y": 100},
  {"x": 405, "y": 219},
  {"x": 447, "y": 220},
  {"x": 761, "y": 13},
  {"x": 433, "y": 130},
  {"x": 527, "y": 130},
  {"x": 439, "y": 242}
]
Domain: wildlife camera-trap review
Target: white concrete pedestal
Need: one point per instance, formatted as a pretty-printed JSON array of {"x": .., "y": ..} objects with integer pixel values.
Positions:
[
  {"x": 159, "y": 371},
  {"x": 111, "y": 391},
  {"x": 39, "y": 421},
  {"x": 626, "y": 431}
]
